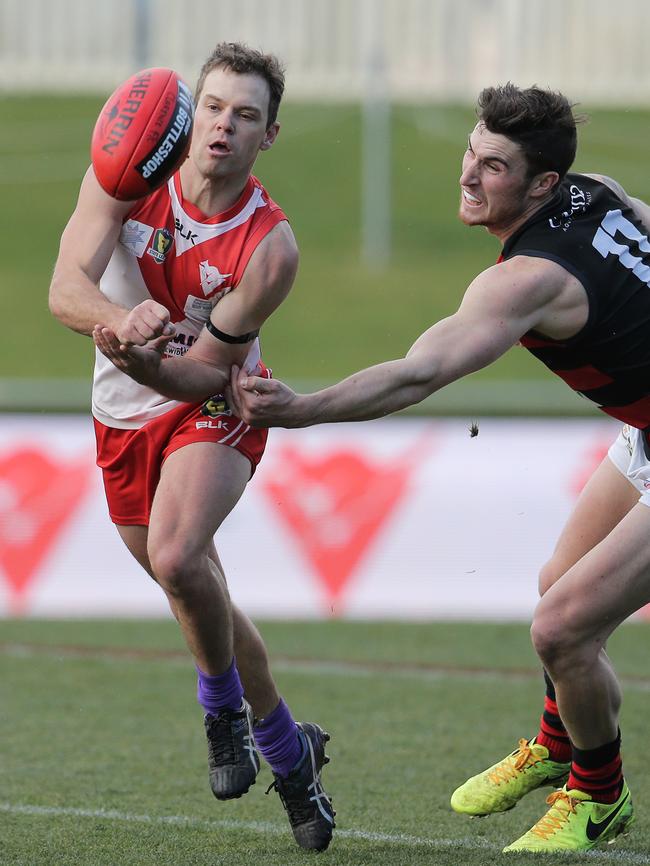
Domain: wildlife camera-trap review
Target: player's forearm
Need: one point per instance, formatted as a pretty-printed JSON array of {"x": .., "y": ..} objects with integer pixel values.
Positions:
[
  {"x": 81, "y": 306},
  {"x": 185, "y": 379},
  {"x": 371, "y": 393}
]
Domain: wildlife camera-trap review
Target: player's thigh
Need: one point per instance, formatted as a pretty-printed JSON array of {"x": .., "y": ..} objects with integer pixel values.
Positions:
[
  {"x": 606, "y": 586},
  {"x": 605, "y": 500},
  {"x": 199, "y": 486}
]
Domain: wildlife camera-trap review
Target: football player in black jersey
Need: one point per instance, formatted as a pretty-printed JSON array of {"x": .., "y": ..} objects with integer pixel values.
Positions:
[{"x": 571, "y": 285}]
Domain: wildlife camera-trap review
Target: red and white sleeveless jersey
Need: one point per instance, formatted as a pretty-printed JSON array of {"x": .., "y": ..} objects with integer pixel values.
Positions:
[{"x": 171, "y": 252}]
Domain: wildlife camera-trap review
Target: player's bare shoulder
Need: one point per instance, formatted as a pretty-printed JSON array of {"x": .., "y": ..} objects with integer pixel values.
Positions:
[
  {"x": 560, "y": 298},
  {"x": 640, "y": 208},
  {"x": 524, "y": 281},
  {"x": 530, "y": 292},
  {"x": 274, "y": 264},
  {"x": 280, "y": 246},
  {"x": 612, "y": 184}
]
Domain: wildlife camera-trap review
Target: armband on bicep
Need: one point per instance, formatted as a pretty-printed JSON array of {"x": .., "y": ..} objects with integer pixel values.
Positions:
[{"x": 228, "y": 338}]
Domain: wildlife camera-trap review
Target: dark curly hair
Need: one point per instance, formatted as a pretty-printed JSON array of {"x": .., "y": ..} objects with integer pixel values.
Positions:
[
  {"x": 541, "y": 122},
  {"x": 239, "y": 58}
]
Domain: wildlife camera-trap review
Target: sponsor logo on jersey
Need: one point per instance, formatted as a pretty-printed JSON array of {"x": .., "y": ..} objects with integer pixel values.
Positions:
[
  {"x": 580, "y": 201},
  {"x": 160, "y": 246},
  {"x": 186, "y": 234},
  {"x": 180, "y": 344},
  {"x": 135, "y": 237},
  {"x": 216, "y": 406},
  {"x": 198, "y": 309},
  {"x": 212, "y": 278}
]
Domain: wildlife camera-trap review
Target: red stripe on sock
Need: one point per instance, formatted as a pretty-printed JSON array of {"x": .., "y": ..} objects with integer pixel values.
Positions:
[
  {"x": 550, "y": 706},
  {"x": 605, "y": 770},
  {"x": 554, "y": 738},
  {"x": 550, "y": 731},
  {"x": 603, "y": 783}
]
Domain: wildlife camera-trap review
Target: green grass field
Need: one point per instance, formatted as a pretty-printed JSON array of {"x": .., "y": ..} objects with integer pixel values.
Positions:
[
  {"x": 341, "y": 314},
  {"x": 103, "y": 757}
]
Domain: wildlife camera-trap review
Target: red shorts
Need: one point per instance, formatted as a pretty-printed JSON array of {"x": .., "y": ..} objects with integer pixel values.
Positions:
[{"x": 131, "y": 460}]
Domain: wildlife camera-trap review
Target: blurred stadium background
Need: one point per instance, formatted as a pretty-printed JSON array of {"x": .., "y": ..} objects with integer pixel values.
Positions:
[{"x": 407, "y": 518}]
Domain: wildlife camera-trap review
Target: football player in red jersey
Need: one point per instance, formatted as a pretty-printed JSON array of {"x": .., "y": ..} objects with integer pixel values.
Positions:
[
  {"x": 189, "y": 274},
  {"x": 572, "y": 286}
]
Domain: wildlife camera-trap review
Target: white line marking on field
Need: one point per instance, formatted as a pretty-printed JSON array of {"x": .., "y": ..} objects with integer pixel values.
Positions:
[{"x": 397, "y": 839}]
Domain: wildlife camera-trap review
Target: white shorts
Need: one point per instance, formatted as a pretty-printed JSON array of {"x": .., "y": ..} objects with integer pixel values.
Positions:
[{"x": 628, "y": 455}]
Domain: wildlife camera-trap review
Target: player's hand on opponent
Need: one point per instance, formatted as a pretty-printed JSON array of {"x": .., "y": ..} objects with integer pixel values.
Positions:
[
  {"x": 144, "y": 322},
  {"x": 140, "y": 363},
  {"x": 261, "y": 402}
]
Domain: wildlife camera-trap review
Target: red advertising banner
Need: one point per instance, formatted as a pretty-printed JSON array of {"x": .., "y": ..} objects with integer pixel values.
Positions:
[{"x": 397, "y": 518}]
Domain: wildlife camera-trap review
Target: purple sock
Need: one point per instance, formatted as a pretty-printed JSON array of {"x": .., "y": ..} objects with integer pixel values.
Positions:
[
  {"x": 222, "y": 692},
  {"x": 276, "y": 737}
]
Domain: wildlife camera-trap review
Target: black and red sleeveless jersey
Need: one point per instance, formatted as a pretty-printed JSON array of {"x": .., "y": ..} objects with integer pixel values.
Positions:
[{"x": 588, "y": 230}]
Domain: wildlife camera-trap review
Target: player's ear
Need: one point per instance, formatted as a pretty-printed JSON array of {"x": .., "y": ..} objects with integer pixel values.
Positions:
[
  {"x": 544, "y": 183},
  {"x": 270, "y": 135}
]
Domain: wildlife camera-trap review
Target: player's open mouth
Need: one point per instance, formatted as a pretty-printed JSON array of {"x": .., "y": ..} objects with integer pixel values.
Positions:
[
  {"x": 219, "y": 147},
  {"x": 471, "y": 200}
]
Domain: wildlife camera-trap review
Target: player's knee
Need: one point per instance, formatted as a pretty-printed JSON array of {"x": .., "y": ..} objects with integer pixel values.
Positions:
[
  {"x": 560, "y": 645},
  {"x": 551, "y": 639},
  {"x": 174, "y": 566}
]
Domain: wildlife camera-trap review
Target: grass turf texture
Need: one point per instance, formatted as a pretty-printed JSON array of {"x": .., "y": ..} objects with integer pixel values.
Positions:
[
  {"x": 313, "y": 171},
  {"x": 104, "y": 758}
]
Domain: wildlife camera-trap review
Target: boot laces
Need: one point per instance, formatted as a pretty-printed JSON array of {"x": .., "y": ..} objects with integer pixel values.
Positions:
[
  {"x": 523, "y": 758},
  {"x": 563, "y": 805},
  {"x": 222, "y": 740},
  {"x": 299, "y": 807}
]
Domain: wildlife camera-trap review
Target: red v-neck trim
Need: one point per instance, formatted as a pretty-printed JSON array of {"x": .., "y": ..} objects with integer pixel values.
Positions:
[{"x": 197, "y": 214}]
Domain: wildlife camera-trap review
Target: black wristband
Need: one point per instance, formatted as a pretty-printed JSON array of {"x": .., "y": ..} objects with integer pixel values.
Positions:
[{"x": 228, "y": 338}]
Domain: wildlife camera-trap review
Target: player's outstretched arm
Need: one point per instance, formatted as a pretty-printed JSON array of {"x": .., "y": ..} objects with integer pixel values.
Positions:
[
  {"x": 205, "y": 368},
  {"x": 501, "y": 305}
]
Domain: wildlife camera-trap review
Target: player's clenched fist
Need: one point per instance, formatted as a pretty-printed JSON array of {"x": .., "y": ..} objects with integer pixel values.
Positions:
[{"x": 143, "y": 323}]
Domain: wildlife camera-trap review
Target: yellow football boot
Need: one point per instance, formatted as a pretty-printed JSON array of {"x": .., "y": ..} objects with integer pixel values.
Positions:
[
  {"x": 575, "y": 822},
  {"x": 501, "y": 786}
]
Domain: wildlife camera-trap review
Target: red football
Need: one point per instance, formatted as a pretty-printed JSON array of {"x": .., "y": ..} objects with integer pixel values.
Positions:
[{"x": 143, "y": 133}]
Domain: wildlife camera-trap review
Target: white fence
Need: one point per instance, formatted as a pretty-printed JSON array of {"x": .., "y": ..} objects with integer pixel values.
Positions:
[{"x": 594, "y": 50}]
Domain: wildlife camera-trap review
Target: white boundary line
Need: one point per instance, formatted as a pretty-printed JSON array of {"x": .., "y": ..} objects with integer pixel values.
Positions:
[
  {"x": 397, "y": 839},
  {"x": 317, "y": 668}
]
